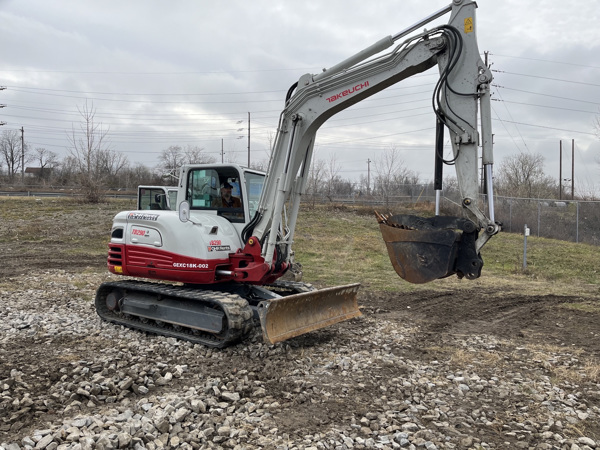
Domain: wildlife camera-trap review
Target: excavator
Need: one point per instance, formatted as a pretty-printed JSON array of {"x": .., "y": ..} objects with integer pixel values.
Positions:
[{"x": 217, "y": 257}]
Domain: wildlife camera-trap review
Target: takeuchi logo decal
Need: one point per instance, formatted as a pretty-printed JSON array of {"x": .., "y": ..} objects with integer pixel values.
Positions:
[
  {"x": 142, "y": 216},
  {"x": 347, "y": 92}
]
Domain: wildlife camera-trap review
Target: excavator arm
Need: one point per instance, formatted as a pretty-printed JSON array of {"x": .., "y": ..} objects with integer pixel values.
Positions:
[{"x": 421, "y": 250}]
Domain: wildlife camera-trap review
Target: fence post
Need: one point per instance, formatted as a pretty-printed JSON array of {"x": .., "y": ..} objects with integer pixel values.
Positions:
[
  {"x": 525, "y": 234},
  {"x": 577, "y": 225},
  {"x": 539, "y": 217}
]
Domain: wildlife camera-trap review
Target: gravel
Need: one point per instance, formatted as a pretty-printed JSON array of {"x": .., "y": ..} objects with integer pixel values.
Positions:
[{"x": 70, "y": 381}]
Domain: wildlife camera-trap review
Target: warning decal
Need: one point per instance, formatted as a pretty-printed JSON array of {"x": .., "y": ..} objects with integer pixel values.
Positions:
[{"x": 468, "y": 25}]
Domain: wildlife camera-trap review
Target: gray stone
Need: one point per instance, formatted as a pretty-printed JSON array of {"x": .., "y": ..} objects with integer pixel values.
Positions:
[
  {"x": 230, "y": 396},
  {"x": 124, "y": 440},
  {"x": 587, "y": 441}
]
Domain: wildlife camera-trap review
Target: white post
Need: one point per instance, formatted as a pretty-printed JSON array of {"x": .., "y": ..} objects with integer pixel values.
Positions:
[{"x": 525, "y": 234}]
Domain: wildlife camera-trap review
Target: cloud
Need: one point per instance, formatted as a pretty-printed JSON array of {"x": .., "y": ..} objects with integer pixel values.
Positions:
[{"x": 186, "y": 72}]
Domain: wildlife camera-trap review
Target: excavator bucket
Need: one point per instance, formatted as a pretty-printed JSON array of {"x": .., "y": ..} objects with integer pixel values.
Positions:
[
  {"x": 296, "y": 314},
  {"x": 425, "y": 249}
]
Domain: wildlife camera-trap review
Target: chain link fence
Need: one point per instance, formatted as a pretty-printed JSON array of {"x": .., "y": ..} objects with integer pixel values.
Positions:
[
  {"x": 567, "y": 220},
  {"x": 573, "y": 220}
]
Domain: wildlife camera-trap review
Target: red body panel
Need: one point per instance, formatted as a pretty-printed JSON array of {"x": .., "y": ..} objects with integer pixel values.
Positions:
[{"x": 149, "y": 262}]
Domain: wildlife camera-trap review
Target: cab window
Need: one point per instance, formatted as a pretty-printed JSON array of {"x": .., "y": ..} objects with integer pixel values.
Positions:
[
  {"x": 152, "y": 198},
  {"x": 203, "y": 187},
  {"x": 173, "y": 199},
  {"x": 218, "y": 190},
  {"x": 255, "y": 184}
]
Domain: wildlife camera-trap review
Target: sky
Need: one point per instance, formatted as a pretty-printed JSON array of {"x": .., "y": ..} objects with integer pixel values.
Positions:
[{"x": 198, "y": 73}]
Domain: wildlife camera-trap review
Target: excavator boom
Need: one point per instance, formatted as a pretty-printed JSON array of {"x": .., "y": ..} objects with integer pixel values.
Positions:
[{"x": 461, "y": 94}]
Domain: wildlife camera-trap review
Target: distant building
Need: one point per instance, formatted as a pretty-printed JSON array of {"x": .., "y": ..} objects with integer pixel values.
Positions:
[{"x": 38, "y": 172}]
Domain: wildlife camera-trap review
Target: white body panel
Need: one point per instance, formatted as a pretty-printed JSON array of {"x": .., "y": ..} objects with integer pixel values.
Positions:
[{"x": 209, "y": 237}]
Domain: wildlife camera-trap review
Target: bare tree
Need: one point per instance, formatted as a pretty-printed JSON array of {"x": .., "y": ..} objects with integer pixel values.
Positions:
[
  {"x": 315, "y": 179},
  {"x": 522, "y": 175},
  {"x": 363, "y": 185},
  {"x": 92, "y": 155},
  {"x": 140, "y": 174},
  {"x": 392, "y": 178},
  {"x": 47, "y": 161},
  {"x": 194, "y": 155},
  {"x": 262, "y": 165},
  {"x": 385, "y": 170},
  {"x": 332, "y": 170},
  {"x": 66, "y": 171},
  {"x": 12, "y": 152},
  {"x": 171, "y": 159}
]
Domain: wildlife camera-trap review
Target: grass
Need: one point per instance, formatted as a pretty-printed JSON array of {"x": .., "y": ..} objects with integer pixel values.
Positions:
[
  {"x": 339, "y": 246},
  {"x": 342, "y": 247},
  {"x": 547, "y": 259},
  {"x": 84, "y": 227},
  {"x": 587, "y": 307},
  {"x": 334, "y": 245}
]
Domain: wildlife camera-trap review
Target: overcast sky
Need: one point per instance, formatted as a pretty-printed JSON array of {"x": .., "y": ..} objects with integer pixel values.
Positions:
[{"x": 183, "y": 72}]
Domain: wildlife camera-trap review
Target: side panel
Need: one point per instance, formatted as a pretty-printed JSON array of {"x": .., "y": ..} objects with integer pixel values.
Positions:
[
  {"x": 137, "y": 261},
  {"x": 158, "y": 245}
]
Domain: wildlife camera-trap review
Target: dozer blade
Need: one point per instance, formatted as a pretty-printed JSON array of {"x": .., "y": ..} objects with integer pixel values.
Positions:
[
  {"x": 425, "y": 249},
  {"x": 293, "y": 315}
]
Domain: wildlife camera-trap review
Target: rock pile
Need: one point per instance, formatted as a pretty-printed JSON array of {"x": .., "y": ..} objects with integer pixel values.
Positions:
[{"x": 70, "y": 381}]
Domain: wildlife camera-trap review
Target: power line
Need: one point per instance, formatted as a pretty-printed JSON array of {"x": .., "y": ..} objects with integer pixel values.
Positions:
[
  {"x": 185, "y": 94},
  {"x": 546, "y": 78},
  {"x": 144, "y": 101},
  {"x": 547, "y": 61},
  {"x": 547, "y": 106},
  {"x": 518, "y": 131},
  {"x": 544, "y": 95},
  {"x": 549, "y": 128},
  {"x": 206, "y": 72}
]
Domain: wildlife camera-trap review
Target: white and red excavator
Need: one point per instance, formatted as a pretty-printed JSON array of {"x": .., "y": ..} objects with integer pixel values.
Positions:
[{"x": 220, "y": 262}]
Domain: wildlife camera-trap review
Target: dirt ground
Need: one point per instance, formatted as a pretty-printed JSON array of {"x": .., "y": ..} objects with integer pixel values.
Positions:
[{"x": 443, "y": 318}]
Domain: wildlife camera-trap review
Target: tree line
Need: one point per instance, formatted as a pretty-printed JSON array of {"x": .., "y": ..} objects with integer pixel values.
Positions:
[{"x": 94, "y": 167}]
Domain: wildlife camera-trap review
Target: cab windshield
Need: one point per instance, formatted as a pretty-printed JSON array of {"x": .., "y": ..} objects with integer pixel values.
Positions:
[
  {"x": 216, "y": 189},
  {"x": 255, "y": 183}
]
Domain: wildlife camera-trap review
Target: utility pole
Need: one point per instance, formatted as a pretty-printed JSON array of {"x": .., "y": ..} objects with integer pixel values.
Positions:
[
  {"x": 22, "y": 155},
  {"x": 560, "y": 173},
  {"x": 222, "y": 152},
  {"x": 248, "y": 139},
  {"x": 573, "y": 169},
  {"x": 2, "y": 106},
  {"x": 368, "y": 177}
]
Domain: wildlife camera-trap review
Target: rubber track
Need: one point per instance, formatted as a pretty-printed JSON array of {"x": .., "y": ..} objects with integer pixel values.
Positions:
[{"x": 237, "y": 311}]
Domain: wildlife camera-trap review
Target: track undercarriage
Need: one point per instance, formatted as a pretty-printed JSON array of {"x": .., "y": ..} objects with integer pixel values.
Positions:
[{"x": 221, "y": 315}]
